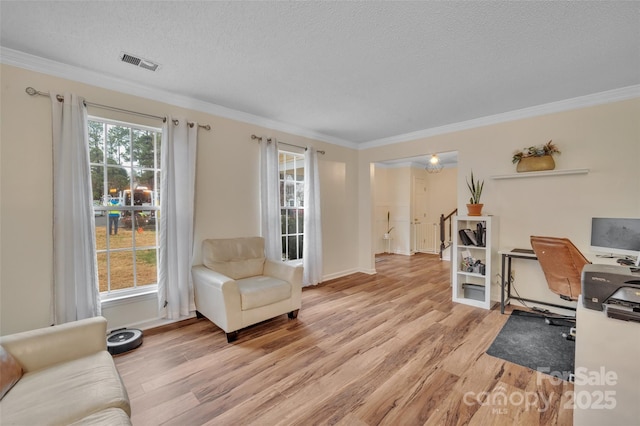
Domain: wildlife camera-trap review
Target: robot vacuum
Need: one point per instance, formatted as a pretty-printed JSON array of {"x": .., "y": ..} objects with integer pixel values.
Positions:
[{"x": 123, "y": 340}]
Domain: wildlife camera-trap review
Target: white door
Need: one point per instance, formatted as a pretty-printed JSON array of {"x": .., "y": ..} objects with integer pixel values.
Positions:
[{"x": 423, "y": 232}]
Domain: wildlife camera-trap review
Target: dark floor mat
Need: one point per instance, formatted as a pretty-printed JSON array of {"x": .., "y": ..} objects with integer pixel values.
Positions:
[{"x": 527, "y": 340}]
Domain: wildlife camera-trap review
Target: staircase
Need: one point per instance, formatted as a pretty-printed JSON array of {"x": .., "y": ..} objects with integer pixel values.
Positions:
[{"x": 445, "y": 235}]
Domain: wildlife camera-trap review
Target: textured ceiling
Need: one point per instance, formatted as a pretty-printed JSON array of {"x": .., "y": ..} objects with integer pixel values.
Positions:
[{"x": 352, "y": 71}]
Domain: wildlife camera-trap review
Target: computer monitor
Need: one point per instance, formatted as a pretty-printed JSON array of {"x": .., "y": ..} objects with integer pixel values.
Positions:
[{"x": 616, "y": 236}]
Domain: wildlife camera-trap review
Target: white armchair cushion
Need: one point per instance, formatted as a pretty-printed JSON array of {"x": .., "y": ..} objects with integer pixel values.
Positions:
[
  {"x": 262, "y": 291},
  {"x": 236, "y": 258}
]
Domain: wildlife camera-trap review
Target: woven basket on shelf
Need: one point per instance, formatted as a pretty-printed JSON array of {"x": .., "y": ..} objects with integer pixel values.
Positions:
[{"x": 536, "y": 164}]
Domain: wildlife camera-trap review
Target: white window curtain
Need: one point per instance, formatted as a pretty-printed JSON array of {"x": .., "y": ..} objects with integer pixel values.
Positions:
[
  {"x": 270, "y": 199},
  {"x": 177, "y": 192},
  {"x": 312, "y": 247},
  {"x": 75, "y": 270}
]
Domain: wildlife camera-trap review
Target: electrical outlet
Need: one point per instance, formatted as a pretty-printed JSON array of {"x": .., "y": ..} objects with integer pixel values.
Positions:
[{"x": 513, "y": 275}]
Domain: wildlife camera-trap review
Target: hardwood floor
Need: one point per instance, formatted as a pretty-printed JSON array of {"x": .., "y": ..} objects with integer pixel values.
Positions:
[{"x": 389, "y": 349}]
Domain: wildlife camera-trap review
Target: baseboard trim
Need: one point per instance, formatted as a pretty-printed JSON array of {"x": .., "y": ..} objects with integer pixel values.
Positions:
[
  {"x": 159, "y": 322},
  {"x": 339, "y": 274}
]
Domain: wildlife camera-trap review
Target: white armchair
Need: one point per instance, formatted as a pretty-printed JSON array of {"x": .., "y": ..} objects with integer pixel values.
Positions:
[{"x": 236, "y": 286}]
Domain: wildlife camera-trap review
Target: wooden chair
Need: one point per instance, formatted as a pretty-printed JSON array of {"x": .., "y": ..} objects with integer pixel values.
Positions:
[{"x": 562, "y": 264}]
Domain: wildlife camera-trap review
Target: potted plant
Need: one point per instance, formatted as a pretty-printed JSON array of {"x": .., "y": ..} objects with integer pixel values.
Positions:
[
  {"x": 536, "y": 158},
  {"x": 474, "y": 207},
  {"x": 389, "y": 227}
]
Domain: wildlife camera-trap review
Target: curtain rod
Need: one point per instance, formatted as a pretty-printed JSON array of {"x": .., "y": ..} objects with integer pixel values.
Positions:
[
  {"x": 259, "y": 138},
  {"x": 202, "y": 126},
  {"x": 33, "y": 92}
]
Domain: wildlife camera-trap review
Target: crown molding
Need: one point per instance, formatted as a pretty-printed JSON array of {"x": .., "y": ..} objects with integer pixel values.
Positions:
[
  {"x": 46, "y": 66},
  {"x": 405, "y": 164},
  {"x": 34, "y": 63},
  {"x": 610, "y": 96},
  {"x": 412, "y": 165}
]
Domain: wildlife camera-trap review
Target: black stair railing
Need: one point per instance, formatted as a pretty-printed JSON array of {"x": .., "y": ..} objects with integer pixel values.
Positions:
[{"x": 443, "y": 229}]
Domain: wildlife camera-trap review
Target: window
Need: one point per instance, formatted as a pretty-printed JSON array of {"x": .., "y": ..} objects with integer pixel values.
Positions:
[
  {"x": 291, "y": 167},
  {"x": 125, "y": 178}
]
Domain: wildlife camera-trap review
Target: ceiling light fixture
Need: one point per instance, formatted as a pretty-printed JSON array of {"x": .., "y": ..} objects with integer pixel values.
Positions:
[{"x": 434, "y": 165}]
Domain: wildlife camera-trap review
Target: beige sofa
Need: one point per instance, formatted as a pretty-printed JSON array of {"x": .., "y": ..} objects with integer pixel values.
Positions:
[
  {"x": 68, "y": 377},
  {"x": 236, "y": 286}
]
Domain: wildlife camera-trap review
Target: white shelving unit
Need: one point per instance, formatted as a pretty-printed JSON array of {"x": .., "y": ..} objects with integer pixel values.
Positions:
[{"x": 472, "y": 287}]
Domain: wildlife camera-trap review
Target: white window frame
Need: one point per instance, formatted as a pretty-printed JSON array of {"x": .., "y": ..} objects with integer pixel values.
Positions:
[
  {"x": 114, "y": 295},
  {"x": 286, "y": 205}
]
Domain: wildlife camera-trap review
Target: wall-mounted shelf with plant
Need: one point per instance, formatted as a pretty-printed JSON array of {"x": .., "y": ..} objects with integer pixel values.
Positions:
[
  {"x": 538, "y": 161},
  {"x": 536, "y": 158}
]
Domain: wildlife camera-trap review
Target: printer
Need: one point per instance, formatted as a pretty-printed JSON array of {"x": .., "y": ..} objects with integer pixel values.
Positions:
[{"x": 613, "y": 289}]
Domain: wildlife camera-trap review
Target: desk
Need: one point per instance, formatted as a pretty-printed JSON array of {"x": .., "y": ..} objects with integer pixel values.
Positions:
[
  {"x": 506, "y": 256},
  {"x": 607, "y": 386}
]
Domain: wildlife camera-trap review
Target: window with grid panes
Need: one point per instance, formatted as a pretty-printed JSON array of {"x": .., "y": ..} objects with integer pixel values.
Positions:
[
  {"x": 291, "y": 167},
  {"x": 125, "y": 179}
]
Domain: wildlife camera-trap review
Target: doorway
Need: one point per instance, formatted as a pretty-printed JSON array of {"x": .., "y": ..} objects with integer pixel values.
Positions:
[{"x": 408, "y": 199}]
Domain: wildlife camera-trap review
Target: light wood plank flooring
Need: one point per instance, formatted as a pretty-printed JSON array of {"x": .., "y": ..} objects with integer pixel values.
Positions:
[{"x": 388, "y": 349}]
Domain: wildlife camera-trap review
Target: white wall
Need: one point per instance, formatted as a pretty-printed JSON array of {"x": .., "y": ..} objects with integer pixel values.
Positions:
[
  {"x": 442, "y": 191},
  {"x": 603, "y": 138},
  {"x": 226, "y": 194}
]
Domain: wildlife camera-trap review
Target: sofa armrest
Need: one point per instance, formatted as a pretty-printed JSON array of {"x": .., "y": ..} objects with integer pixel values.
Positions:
[
  {"x": 284, "y": 271},
  {"x": 41, "y": 348},
  {"x": 217, "y": 297}
]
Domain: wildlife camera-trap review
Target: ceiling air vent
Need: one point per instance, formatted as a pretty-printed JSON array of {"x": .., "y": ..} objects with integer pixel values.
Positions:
[{"x": 139, "y": 62}]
